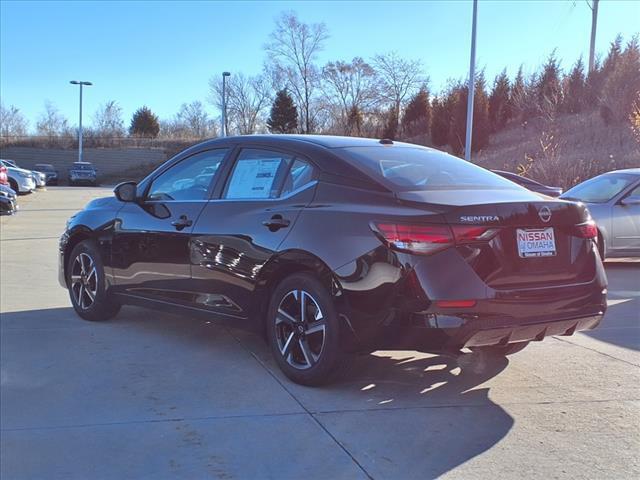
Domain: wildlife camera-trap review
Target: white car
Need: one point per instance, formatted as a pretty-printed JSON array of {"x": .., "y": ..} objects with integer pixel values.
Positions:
[
  {"x": 613, "y": 199},
  {"x": 20, "y": 180}
]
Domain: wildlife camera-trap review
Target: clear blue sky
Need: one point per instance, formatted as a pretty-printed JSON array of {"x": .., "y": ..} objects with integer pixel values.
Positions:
[{"x": 163, "y": 53}]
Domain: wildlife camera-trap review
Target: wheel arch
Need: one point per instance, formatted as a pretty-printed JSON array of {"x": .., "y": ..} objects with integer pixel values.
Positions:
[
  {"x": 79, "y": 234},
  {"x": 280, "y": 267}
]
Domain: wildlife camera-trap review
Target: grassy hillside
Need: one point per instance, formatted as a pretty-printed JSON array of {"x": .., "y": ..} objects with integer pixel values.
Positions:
[{"x": 562, "y": 151}]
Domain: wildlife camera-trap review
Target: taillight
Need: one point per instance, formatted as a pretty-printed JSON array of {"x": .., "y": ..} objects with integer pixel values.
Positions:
[
  {"x": 586, "y": 230},
  {"x": 456, "y": 303},
  {"x": 415, "y": 238},
  {"x": 431, "y": 238}
]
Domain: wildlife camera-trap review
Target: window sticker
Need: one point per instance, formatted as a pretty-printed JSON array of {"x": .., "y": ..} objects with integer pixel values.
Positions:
[{"x": 253, "y": 178}]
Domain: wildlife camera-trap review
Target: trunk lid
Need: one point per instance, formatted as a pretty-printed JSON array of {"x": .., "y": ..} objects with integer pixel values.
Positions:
[{"x": 550, "y": 251}]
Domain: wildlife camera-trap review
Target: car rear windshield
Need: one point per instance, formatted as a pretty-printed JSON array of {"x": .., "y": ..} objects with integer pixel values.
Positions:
[
  {"x": 45, "y": 167},
  {"x": 406, "y": 168},
  {"x": 82, "y": 166},
  {"x": 599, "y": 189}
]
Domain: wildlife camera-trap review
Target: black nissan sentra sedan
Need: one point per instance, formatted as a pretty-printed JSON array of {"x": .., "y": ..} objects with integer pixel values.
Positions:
[{"x": 331, "y": 246}]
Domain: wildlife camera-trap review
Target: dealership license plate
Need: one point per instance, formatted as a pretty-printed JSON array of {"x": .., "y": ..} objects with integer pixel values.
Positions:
[{"x": 539, "y": 242}]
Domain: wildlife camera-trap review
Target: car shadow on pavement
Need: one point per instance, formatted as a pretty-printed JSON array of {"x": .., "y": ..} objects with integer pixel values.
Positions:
[
  {"x": 621, "y": 324},
  {"x": 400, "y": 414}
]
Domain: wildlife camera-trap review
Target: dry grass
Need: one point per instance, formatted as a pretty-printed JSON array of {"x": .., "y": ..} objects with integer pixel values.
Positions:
[{"x": 562, "y": 151}]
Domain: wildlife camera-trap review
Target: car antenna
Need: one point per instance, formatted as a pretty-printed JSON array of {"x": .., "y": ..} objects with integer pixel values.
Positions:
[{"x": 386, "y": 141}]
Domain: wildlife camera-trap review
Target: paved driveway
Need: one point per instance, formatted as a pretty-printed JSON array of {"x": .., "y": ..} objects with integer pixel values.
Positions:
[{"x": 153, "y": 395}]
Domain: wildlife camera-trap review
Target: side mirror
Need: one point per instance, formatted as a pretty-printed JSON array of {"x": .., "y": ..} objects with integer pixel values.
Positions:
[
  {"x": 634, "y": 200},
  {"x": 126, "y": 191}
]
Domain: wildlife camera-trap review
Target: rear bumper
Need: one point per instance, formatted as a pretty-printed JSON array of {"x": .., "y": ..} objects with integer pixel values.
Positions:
[
  {"x": 401, "y": 311},
  {"x": 483, "y": 335}
]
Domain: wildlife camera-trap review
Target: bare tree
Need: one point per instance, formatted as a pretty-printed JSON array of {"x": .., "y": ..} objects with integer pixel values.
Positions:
[
  {"x": 51, "y": 123},
  {"x": 293, "y": 47},
  {"x": 400, "y": 79},
  {"x": 194, "y": 120},
  {"x": 12, "y": 122},
  {"x": 107, "y": 121},
  {"x": 352, "y": 88},
  {"x": 247, "y": 101}
]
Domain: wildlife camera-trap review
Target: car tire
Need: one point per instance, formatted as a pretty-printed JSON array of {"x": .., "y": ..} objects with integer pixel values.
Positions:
[
  {"x": 13, "y": 185},
  {"x": 501, "y": 350},
  {"x": 305, "y": 346},
  {"x": 86, "y": 284}
]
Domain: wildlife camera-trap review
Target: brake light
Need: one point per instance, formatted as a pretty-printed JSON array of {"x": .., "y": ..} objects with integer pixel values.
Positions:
[
  {"x": 586, "y": 230},
  {"x": 456, "y": 303},
  {"x": 415, "y": 238}
]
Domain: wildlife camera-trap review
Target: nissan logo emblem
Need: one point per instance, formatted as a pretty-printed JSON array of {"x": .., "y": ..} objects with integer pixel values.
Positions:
[{"x": 545, "y": 214}]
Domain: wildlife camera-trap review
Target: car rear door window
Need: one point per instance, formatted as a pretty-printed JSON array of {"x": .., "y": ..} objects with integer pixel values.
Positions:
[
  {"x": 258, "y": 174},
  {"x": 189, "y": 179}
]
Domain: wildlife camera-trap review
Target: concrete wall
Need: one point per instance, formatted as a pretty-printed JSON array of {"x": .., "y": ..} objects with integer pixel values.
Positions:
[{"x": 109, "y": 161}]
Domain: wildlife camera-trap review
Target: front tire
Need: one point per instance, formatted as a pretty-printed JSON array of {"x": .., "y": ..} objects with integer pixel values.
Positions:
[
  {"x": 303, "y": 331},
  {"x": 86, "y": 284}
]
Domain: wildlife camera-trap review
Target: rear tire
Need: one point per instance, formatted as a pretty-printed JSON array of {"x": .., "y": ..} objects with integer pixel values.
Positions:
[
  {"x": 501, "y": 350},
  {"x": 303, "y": 330},
  {"x": 86, "y": 284}
]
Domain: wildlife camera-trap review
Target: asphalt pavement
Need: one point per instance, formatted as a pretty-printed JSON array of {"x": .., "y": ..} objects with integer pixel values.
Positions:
[{"x": 155, "y": 395}]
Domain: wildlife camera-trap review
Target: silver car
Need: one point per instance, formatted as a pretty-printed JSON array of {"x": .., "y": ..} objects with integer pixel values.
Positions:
[{"x": 613, "y": 199}]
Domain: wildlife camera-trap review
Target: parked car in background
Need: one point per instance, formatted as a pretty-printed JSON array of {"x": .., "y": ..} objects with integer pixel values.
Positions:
[
  {"x": 332, "y": 246},
  {"x": 20, "y": 180},
  {"x": 613, "y": 199},
  {"x": 4, "y": 179},
  {"x": 49, "y": 171},
  {"x": 83, "y": 173},
  {"x": 8, "y": 201},
  {"x": 40, "y": 178},
  {"x": 530, "y": 184}
]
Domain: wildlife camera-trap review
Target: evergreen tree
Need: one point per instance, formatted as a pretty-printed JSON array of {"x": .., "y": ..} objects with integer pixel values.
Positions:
[
  {"x": 499, "y": 105},
  {"x": 144, "y": 123},
  {"x": 417, "y": 114},
  {"x": 517, "y": 95},
  {"x": 548, "y": 90},
  {"x": 620, "y": 91},
  {"x": 440, "y": 120},
  {"x": 390, "y": 130},
  {"x": 284, "y": 114},
  {"x": 481, "y": 127},
  {"x": 574, "y": 89}
]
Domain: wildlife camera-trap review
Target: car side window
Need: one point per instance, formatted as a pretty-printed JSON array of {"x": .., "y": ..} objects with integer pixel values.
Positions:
[
  {"x": 189, "y": 179},
  {"x": 300, "y": 174},
  {"x": 258, "y": 174}
]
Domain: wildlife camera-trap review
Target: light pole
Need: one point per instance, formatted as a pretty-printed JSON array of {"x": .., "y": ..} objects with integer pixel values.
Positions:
[
  {"x": 81, "y": 83},
  {"x": 472, "y": 74},
  {"x": 594, "y": 22},
  {"x": 224, "y": 102}
]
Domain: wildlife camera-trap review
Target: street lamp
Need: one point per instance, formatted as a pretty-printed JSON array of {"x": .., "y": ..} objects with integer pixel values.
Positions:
[
  {"x": 224, "y": 102},
  {"x": 81, "y": 83}
]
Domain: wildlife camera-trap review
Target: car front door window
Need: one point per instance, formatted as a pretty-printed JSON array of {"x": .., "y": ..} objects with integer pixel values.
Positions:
[{"x": 188, "y": 180}]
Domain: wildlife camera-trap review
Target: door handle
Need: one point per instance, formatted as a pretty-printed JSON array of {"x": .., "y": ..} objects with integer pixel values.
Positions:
[
  {"x": 276, "y": 222},
  {"x": 182, "y": 222}
]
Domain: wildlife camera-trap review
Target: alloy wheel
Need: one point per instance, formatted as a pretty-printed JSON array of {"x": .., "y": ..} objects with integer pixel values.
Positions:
[
  {"x": 300, "y": 329},
  {"x": 84, "y": 281}
]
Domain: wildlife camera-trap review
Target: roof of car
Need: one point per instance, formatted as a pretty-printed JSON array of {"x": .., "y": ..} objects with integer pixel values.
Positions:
[
  {"x": 632, "y": 171},
  {"x": 327, "y": 141}
]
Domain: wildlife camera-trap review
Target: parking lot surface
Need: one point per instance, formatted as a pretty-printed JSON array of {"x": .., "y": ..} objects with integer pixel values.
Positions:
[{"x": 154, "y": 395}]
